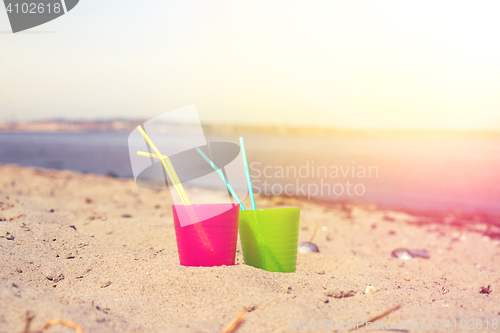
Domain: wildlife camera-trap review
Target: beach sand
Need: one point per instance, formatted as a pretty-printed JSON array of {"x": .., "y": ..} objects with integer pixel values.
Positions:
[{"x": 100, "y": 252}]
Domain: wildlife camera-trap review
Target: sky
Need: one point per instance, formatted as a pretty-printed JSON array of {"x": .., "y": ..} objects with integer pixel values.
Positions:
[{"x": 342, "y": 64}]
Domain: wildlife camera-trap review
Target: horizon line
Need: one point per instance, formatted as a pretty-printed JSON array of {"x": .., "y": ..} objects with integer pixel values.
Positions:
[{"x": 264, "y": 127}]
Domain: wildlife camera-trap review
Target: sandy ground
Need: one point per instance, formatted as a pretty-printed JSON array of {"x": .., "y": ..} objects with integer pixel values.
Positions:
[{"x": 101, "y": 252}]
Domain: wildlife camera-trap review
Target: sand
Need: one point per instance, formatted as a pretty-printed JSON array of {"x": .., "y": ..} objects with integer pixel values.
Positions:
[{"x": 101, "y": 252}]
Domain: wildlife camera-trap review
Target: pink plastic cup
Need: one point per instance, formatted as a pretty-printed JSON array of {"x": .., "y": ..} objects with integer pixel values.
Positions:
[{"x": 212, "y": 240}]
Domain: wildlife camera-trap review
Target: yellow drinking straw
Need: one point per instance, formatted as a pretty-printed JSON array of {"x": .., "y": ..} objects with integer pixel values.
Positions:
[
  {"x": 169, "y": 168},
  {"x": 180, "y": 191}
]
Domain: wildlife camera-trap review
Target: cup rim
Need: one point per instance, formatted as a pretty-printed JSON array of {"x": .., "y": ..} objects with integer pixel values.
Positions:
[
  {"x": 269, "y": 209},
  {"x": 233, "y": 205}
]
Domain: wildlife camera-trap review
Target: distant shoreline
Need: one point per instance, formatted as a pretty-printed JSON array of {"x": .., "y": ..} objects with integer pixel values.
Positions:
[
  {"x": 482, "y": 223},
  {"x": 61, "y": 126}
]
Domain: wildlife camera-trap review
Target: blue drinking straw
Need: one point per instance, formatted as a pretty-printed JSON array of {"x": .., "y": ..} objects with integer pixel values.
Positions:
[
  {"x": 221, "y": 174},
  {"x": 247, "y": 173}
]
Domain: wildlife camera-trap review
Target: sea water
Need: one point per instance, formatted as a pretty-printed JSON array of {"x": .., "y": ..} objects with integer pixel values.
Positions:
[{"x": 444, "y": 173}]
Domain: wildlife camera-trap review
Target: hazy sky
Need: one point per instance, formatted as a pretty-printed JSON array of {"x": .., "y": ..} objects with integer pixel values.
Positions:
[{"x": 356, "y": 64}]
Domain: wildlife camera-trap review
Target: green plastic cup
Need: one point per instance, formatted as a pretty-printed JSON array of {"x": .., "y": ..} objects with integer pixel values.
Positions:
[{"x": 269, "y": 238}]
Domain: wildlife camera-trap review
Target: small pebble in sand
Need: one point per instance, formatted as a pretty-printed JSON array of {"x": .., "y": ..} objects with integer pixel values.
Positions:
[
  {"x": 54, "y": 277},
  {"x": 320, "y": 272},
  {"x": 105, "y": 310},
  {"x": 251, "y": 308},
  {"x": 307, "y": 247},
  {"x": 402, "y": 254},
  {"x": 406, "y": 254},
  {"x": 339, "y": 293},
  {"x": 371, "y": 290},
  {"x": 485, "y": 291},
  {"x": 58, "y": 278},
  {"x": 106, "y": 284},
  {"x": 7, "y": 236}
]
